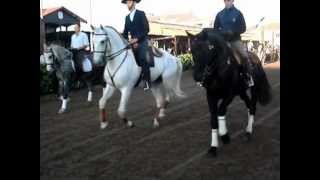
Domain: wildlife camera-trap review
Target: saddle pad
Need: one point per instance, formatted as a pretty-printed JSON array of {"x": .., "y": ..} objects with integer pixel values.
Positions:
[{"x": 86, "y": 65}]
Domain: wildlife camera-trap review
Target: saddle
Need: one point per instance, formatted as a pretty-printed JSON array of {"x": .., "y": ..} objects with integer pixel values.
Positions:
[
  {"x": 156, "y": 52},
  {"x": 153, "y": 52},
  {"x": 86, "y": 63}
]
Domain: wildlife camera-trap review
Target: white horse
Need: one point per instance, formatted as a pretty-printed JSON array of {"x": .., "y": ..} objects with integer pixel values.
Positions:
[{"x": 122, "y": 73}]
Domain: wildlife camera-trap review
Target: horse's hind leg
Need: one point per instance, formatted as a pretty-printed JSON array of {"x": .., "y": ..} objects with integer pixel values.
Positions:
[
  {"x": 222, "y": 110},
  {"x": 125, "y": 96},
  {"x": 102, "y": 104},
  {"x": 158, "y": 93},
  {"x": 251, "y": 105}
]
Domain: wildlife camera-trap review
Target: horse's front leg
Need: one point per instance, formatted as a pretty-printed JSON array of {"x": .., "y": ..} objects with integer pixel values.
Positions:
[
  {"x": 65, "y": 95},
  {"x": 222, "y": 111},
  {"x": 158, "y": 93},
  {"x": 213, "y": 107},
  {"x": 251, "y": 105},
  {"x": 107, "y": 93},
  {"x": 125, "y": 95}
]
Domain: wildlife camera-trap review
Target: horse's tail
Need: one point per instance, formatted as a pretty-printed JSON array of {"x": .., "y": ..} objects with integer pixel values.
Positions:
[
  {"x": 172, "y": 79},
  {"x": 177, "y": 90},
  {"x": 263, "y": 88}
]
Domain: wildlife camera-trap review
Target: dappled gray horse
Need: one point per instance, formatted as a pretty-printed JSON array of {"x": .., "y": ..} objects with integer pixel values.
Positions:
[{"x": 59, "y": 60}]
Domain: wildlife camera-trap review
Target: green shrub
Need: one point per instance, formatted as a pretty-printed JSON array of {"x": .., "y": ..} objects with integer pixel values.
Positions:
[
  {"x": 186, "y": 60},
  {"x": 46, "y": 83}
]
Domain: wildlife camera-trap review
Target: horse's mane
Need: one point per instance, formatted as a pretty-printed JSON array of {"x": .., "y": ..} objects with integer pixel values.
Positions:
[
  {"x": 214, "y": 37},
  {"x": 121, "y": 36},
  {"x": 60, "y": 52}
]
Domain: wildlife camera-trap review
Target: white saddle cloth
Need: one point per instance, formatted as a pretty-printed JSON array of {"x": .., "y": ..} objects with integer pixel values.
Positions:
[{"x": 86, "y": 65}]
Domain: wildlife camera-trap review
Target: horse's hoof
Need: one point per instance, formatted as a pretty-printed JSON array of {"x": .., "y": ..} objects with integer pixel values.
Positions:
[
  {"x": 130, "y": 124},
  {"x": 103, "y": 125},
  {"x": 248, "y": 136},
  {"x": 225, "y": 139},
  {"x": 212, "y": 152},
  {"x": 89, "y": 103},
  {"x": 62, "y": 110}
]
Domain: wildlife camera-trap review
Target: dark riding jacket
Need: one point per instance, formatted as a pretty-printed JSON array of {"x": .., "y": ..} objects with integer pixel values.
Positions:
[
  {"x": 230, "y": 20},
  {"x": 138, "y": 28}
]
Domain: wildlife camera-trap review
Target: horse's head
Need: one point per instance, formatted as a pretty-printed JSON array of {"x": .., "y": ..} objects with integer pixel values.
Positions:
[
  {"x": 101, "y": 45},
  {"x": 205, "y": 48},
  {"x": 48, "y": 59}
]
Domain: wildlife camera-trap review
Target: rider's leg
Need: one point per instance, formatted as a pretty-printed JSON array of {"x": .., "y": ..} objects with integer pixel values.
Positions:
[
  {"x": 245, "y": 61},
  {"x": 144, "y": 59}
]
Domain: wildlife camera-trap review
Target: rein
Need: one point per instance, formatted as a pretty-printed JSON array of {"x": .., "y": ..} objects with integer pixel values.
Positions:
[{"x": 113, "y": 56}]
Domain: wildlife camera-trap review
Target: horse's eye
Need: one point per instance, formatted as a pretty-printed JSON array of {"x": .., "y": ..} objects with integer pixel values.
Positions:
[
  {"x": 50, "y": 56},
  {"x": 103, "y": 42}
]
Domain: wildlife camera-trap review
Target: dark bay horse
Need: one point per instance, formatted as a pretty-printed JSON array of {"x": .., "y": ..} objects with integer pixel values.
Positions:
[{"x": 218, "y": 71}]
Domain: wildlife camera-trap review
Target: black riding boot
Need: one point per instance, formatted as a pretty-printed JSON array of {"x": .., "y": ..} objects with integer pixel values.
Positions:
[
  {"x": 247, "y": 73},
  {"x": 146, "y": 78}
]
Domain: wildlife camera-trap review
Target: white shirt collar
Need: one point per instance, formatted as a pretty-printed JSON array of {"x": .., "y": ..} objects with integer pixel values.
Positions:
[{"x": 132, "y": 13}]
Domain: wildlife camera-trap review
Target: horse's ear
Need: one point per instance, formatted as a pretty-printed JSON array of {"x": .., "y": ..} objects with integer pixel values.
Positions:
[
  {"x": 101, "y": 26},
  {"x": 92, "y": 27},
  {"x": 189, "y": 34}
]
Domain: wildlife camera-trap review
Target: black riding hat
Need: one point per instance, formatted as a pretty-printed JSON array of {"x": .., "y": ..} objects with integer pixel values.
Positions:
[{"x": 125, "y": 1}]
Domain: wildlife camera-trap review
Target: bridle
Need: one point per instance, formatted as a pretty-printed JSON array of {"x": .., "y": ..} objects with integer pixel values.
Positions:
[
  {"x": 112, "y": 56},
  {"x": 54, "y": 59}
]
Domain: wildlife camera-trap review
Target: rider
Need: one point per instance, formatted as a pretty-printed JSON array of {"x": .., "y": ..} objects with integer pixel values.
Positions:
[
  {"x": 137, "y": 25},
  {"x": 231, "y": 23},
  {"x": 79, "y": 46}
]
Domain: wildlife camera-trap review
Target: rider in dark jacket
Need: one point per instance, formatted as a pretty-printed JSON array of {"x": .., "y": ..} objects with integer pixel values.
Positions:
[
  {"x": 137, "y": 25},
  {"x": 231, "y": 23}
]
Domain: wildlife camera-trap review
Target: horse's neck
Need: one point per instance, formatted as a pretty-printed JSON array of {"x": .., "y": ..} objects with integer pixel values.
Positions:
[
  {"x": 115, "y": 40},
  {"x": 59, "y": 53},
  {"x": 117, "y": 43}
]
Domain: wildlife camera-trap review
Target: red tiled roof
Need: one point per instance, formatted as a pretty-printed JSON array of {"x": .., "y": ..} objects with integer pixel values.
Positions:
[{"x": 47, "y": 11}]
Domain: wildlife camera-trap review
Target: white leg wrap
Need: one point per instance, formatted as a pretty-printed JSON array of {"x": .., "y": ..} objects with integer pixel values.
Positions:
[
  {"x": 222, "y": 125},
  {"x": 90, "y": 96},
  {"x": 250, "y": 123},
  {"x": 103, "y": 125},
  {"x": 64, "y": 104},
  {"x": 129, "y": 123},
  {"x": 214, "y": 138},
  {"x": 161, "y": 113},
  {"x": 121, "y": 114}
]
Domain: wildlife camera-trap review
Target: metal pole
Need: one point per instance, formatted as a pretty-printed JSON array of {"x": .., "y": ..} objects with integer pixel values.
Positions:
[
  {"x": 175, "y": 45},
  {"x": 91, "y": 35},
  {"x": 41, "y": 7}
]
